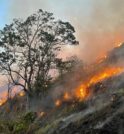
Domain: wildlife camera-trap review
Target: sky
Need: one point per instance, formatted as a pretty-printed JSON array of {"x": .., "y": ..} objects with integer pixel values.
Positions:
[
  {"x": 99, "y": 24},
  {"x": 4, "y": 5}
]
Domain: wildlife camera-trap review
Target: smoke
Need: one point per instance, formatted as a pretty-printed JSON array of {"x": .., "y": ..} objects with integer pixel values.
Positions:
[
  {"x": 24, "y": 8},
  {"x": 98, "y": 24},
  {"x": 103, "y": 30}
]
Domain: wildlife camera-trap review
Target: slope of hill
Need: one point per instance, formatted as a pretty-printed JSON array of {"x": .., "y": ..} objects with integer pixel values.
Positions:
[{"x": 101, "y": 113}]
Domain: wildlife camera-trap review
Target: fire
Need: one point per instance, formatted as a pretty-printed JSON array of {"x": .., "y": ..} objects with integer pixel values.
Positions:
[
  {"x": 66, "y": 96},
  {"x": 58, "y": 103},
  {"x": 119, "y": 44},
  {"x": 82, "y": 91},
  {"x": 2, "y": 101},
  {"x": 22, "y": 93},
  {"x": 4, "y": 95},
  {"x": 105, "y": 74},
  {"x": 3, "y": 98}
]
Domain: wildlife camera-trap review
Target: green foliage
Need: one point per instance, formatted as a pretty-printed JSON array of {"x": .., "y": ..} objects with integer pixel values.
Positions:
[
  {"x": 19, "y": 125},
  {"x": 20, "y": 128},
  {"x": 29, "y": 117},
  {"x": 48, "y": 128}
]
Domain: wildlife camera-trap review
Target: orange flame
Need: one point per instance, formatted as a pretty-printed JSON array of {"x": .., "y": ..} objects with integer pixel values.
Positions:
[
  {"x": 105, "y": 74},
  {"x": 119, "y": 44},
  {"x": 2, "y": 101},
  {"x": 22, "y": 93},
  {"x": 3, "y": 98},
  {"x": 4, "y": 95},
  {"x": 66, "y": 96},
  {"x": 82, "y": 91},
  {"x": 58, "y": 103}
]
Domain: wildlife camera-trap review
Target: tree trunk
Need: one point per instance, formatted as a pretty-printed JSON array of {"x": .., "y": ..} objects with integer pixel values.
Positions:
[{"x": 33, "y": 103}]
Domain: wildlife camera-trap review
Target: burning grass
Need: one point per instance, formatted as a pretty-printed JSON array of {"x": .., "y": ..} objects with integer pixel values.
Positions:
[
  {"x": 81, "y": 87},
  {"x": 82, "y": 92}
]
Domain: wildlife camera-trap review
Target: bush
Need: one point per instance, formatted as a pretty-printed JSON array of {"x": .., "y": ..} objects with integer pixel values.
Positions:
[
  {"x": 30, "y": 117},
  {"x": 20, "y": 128}
]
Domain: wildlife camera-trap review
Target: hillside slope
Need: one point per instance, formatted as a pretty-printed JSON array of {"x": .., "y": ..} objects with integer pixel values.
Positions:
[
  {"x": 100, "y": 113},
  {"x": 103, "y": 113}
]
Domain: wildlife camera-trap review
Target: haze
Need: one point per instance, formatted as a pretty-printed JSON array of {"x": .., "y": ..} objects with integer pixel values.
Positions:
[{"x": 98, "y": 23}]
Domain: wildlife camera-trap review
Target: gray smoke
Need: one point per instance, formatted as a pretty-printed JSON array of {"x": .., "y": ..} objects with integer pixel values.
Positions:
[{"x": 98, "y": 24}]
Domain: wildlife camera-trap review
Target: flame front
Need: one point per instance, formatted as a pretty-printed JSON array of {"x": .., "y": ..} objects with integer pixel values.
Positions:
[
  {"x": 82, "y": 91},
  {"x": 105, "y": 74}
]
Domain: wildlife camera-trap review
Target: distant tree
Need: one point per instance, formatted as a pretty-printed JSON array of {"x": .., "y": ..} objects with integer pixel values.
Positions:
[{"x": 29, "y": 50}]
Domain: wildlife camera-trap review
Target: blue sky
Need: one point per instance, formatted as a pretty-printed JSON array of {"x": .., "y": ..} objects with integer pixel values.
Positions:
[
  {"x": 4, "y": 8},
  {"x": 65, "y": 9}
]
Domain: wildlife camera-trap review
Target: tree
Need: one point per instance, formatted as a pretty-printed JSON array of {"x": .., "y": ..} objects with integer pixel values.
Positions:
[{"x": 29, "y": 50}]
